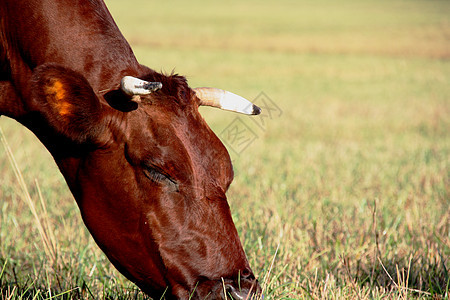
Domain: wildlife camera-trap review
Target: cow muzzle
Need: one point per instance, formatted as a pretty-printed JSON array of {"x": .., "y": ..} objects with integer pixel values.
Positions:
[{"x": 245, "y": 289}]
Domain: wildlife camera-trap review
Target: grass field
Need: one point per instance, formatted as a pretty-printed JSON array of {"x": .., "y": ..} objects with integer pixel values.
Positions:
[{"x": 342, "y": 187}]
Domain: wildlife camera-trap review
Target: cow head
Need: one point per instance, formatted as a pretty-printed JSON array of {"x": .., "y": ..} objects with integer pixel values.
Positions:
[{"x": 150, "y": 179}]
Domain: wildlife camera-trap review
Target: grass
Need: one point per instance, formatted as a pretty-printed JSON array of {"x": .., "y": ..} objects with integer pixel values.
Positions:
[{"x": 342, "y": 192}]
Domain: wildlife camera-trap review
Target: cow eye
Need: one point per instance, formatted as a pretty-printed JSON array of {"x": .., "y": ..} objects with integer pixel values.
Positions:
[{"x": 158, "y": 176}]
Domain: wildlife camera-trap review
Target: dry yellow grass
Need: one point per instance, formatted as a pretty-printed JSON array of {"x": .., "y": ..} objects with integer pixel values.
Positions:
[{"x": 348, "y": 178}]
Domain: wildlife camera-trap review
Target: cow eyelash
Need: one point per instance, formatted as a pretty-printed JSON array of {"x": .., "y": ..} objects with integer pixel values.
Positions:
[
  {"x": 154, "y": 175},
  {"x": 157, "y": 176}
]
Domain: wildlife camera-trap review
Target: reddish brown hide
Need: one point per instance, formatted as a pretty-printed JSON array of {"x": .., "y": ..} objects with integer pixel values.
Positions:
[{"x": 149, "y": 178}]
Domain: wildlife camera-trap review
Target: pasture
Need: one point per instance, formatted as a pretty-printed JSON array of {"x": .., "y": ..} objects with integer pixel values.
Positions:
[{"x": 341, "y": 187}]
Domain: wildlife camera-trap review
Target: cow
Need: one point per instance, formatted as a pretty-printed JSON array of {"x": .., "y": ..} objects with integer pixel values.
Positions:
[{"x": 148, "y": 174}]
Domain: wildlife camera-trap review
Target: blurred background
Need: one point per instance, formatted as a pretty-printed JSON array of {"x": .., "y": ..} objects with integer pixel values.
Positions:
[{"x": 342, "y": 184}]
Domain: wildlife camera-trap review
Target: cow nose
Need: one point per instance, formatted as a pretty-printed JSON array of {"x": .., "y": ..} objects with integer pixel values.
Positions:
[
  {"x": 249, "y": 290},
  {"x": 247, "y": 275}
]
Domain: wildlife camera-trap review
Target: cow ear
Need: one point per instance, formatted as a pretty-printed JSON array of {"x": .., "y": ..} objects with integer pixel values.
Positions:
[{"x": 66, "y": 101}]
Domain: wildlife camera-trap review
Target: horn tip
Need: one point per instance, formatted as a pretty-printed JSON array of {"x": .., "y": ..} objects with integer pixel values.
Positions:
[{"x": 256, "y": 110}]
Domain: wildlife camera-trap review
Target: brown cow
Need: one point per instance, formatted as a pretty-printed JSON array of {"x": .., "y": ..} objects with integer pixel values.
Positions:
[{"x": 147, "y": 172}]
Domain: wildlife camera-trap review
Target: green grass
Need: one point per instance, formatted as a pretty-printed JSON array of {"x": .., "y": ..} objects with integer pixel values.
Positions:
[{"x": 349, "y": 178}]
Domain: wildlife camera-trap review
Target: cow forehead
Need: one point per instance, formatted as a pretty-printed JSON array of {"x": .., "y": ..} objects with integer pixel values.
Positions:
[{"x": 181, "y": 139}]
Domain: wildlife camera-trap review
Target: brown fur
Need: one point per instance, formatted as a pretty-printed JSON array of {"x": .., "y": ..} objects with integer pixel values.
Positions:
[{"x": 150, "y": 178}]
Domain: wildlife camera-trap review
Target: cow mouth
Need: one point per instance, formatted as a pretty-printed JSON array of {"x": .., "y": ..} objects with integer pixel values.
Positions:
[
  {"x": 245, "y": 289},
  {"x": 251, "y": 293}
]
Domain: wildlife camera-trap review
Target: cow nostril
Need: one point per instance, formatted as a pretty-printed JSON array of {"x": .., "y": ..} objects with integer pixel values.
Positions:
[{"x": 247, "y": 274}]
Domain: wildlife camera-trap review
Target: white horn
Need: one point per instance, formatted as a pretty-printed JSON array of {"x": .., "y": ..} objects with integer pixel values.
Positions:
[
  {"x": 226, "y": 100},
  {"x": 135, "y": 86}
]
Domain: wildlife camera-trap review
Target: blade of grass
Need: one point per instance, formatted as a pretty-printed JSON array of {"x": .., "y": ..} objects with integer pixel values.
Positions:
[
  {"x": 3, "y": 268},
  {"x": 47, "y": 226},
  {"x": 62, "y": 294},
  {"x": 48, "y": 248},
  {"x": 266, "y": 278}
]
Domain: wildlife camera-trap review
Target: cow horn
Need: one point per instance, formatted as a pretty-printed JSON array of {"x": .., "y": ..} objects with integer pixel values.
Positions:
[
  {"x": 135, "y": 86},
  {"x": 226, "y": 100}
]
